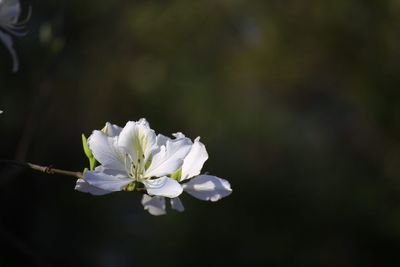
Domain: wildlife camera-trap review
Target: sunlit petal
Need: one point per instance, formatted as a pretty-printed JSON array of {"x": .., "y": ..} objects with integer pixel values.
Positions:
[
  {"x": 169, "y": 158},
  {"x": 194, "y": 161},
  {"x": 207, "y": 187},
  {"x": 138, "y": 140},
  {"x": 163, "y": 186},
  {"x": 106, "y": 151}
]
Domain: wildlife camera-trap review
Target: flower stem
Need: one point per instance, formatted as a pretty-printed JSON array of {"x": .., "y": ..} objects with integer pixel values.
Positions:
[{"x": 43, "y": 169}]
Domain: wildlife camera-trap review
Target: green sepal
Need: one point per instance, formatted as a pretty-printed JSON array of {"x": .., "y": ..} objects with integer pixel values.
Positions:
[
  {"x": 88, "y": 153},
  {"x": 177, "y": 175},
  {"x": 92, "y": 162},
  {"x": 86, "y": 148},
  {"x": 131, "y": 187}
]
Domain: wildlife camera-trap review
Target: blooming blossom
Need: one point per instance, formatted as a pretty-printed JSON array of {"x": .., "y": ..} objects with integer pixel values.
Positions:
[
  {"x": 10, "y": 10},
  {"x": 134, "y": 157}
]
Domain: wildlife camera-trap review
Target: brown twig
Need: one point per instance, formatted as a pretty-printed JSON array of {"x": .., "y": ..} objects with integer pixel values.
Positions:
[
  {"x": 44, "y": 169},
  {"x": 50, "y": 170}
]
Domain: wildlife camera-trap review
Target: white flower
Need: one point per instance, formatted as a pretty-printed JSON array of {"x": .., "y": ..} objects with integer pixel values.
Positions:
[
  {"x": 10, "y": 11},
  {"x": 134, "y": 155},
  {"x": 203, "y": 187}
]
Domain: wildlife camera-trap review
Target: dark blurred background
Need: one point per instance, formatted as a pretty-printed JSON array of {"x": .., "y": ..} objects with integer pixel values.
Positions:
[{"x": 296, "y": 101}]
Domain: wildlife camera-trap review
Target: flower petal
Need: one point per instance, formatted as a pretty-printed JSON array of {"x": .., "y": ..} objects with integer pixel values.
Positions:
[
  {"x": 162, "y": 140},
  {"x": 85, "y": 187},
  {"x": 107, "y": 179},
  {"x": 111, "y": 130},
  {"x": 178, "y": 135},
  {"x": 8, "y": 42},
  {"x": 194, "y": 161},
  {"x": 207, "y": 187},
  {"x": 169, "y": 158},
  {"x": 176, "y": 204},
  {"x": 154, "y": 205},
  {"x": 138, "y": 139},
  {"x": 106, "y": 151},
  {"x": 163, "y": 186}
]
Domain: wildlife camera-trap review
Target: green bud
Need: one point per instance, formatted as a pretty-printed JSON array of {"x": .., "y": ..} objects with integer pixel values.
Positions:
[{"x": 88, "y": 153}]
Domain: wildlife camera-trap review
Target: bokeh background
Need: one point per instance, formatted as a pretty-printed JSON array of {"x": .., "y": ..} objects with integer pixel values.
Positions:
[{"x": 296, "y": 101}]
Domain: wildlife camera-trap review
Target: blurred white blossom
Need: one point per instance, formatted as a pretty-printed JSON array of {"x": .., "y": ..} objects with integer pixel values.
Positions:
[{"x": 10, "y": 11}]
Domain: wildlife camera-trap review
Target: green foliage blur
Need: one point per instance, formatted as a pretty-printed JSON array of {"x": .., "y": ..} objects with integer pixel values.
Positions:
[{"x": 297, "y": 102}]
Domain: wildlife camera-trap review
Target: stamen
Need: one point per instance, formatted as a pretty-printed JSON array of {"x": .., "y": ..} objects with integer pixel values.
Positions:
[
  {"x": 128, "y": 169},
  {"x": 137, "y": 166},
  {"x": 132, "y": 170}
]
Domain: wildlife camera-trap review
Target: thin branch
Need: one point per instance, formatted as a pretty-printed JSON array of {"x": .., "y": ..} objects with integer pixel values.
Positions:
[{"x": 43, "y": 169}]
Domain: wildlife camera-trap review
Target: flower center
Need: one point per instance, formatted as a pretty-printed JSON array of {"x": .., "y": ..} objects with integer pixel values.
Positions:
[{"x": 135, "y": 168}]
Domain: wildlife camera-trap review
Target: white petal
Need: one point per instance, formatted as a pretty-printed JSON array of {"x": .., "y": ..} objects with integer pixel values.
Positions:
[
  {"x": 144, "y": 122},
  {"x": 106, "y": 151},
  {"x": 194, "y": 161},
  {"x": 162, "y": 140},
  {"x": 111, "y": 130},
  {"x": 85, "y": 187},
  {"x": 176, "y": 204},
  {"x": 163, "y": 186},
  {"x": 106, "y": 179},
  {"x": 7, "y": 40},
  {"x": 169, "y": 158},
  {"x": 178, "y": 135},
  {"x": 207, "y": 187},
  {"x": 154, "y": 205},
  {"x": 138, "y": 139}
]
